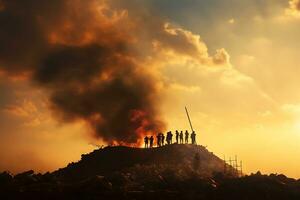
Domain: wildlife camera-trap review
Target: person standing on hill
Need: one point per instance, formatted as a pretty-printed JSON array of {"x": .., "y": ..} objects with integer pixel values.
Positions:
[
  {"x": 146, "y": 139},
  {"x": 193, "y": 137},
  {"x": 158, "y": 140},
  {"x": 177, "y": 136},
  {"x": 181, "y": 137},
  {"x": 168, "y": 137},
  {"x": 162, "y": 139},
  {"x": 151, "y": 141},
  {"x": 186, "y": 137}
]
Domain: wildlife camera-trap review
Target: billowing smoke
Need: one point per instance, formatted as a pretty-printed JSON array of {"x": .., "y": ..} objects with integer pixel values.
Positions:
[
  {"x": 96, "y": 62},
  {"x": 82, "y": 53}
]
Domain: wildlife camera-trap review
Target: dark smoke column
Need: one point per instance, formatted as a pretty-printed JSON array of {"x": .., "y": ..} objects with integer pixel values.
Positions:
[
  {"x": 102, "y": 86},
  {"x": 87, "y": 57}
]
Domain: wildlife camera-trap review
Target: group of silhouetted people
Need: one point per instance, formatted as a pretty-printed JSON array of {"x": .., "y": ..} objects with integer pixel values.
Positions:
[
  {"x": 160, "y": 138},
  {"x": 148, "y": 142}
]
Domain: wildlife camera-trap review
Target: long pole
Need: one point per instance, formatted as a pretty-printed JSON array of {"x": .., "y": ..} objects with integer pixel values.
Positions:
[{"x": 187, "y": 113}]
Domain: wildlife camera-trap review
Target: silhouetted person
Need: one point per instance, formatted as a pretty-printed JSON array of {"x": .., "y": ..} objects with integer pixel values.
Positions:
[
  {"x": 162, "y": 139},
  {"x": 168, "y": 137},
  {"x": 158, "y": 139},
  {"x": 146, "y": 140},
  {"x": 181, "y": 137},
  {"x": 151, "y": 141},
  {"x": 186, "y": 137},
  {"x": 193, "y": 137},
  {"x": 177, "y": 136}
]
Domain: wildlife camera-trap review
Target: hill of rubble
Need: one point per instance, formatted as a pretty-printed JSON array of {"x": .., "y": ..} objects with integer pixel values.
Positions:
[
  {"x": 169, "y": 172},
  {"x": 105, "y": 161}
]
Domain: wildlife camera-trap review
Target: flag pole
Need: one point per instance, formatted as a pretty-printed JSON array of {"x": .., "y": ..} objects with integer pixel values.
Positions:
[{"x": 187, "y": 113}]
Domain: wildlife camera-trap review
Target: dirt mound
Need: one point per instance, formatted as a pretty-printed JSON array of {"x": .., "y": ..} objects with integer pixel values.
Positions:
[
  {"x": 119, "y": 158},
  {"x": 169, "y": 172}
]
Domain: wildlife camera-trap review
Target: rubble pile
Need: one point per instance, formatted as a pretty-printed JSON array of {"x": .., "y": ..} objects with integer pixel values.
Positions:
[{"x": 162, "y": 173}]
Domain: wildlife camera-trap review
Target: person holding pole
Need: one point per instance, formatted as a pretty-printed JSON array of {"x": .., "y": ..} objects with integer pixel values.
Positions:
[{"x": 193, "y": 135}]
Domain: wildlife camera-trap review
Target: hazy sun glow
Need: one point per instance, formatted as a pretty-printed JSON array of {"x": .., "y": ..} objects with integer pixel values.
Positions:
[{"x": 234, "y": 65}]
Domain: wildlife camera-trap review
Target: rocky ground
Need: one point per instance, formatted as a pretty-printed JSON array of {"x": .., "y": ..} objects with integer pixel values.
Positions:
[{"x": 171, "y": 172}]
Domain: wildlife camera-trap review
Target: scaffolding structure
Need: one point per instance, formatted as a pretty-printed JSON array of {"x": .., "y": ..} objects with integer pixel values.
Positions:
[{"x": 231, "y": 166}]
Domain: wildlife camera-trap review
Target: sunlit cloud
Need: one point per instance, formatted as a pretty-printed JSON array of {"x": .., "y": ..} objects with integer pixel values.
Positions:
[
  {"x": 231, "y": 21},
  {"x": 25, "y": 109},
  {"x": 238, "y": 75},
  {"x": 294, "y": 8}
]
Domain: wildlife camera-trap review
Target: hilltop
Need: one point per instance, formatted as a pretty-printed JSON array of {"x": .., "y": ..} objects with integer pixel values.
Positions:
[
  {"x": 108, "y": 160},
  {"x": 168, "y": 172}
]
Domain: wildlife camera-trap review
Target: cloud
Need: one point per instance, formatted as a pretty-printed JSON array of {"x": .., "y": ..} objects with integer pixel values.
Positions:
[
  {"x": 184, "y": 43},
  {"x": 26, "y": 109},
  {"x": 221, "y": 57},
  {"x": 231, "y": 21},
  {"x": 106, "y": 64},
  {"x": 30, "y": 113},
  {"x": 294, "y": 8},
  {"x": 96, "y": 62},
  {"x": 293, "y": 109}
]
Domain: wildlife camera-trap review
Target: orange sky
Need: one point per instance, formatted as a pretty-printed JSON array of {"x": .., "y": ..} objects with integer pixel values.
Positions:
[{"x": 237, "y": 71}]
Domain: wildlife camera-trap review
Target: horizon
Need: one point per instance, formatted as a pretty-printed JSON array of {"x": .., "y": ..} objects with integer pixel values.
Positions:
[{"x": 75, "y": 74}]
